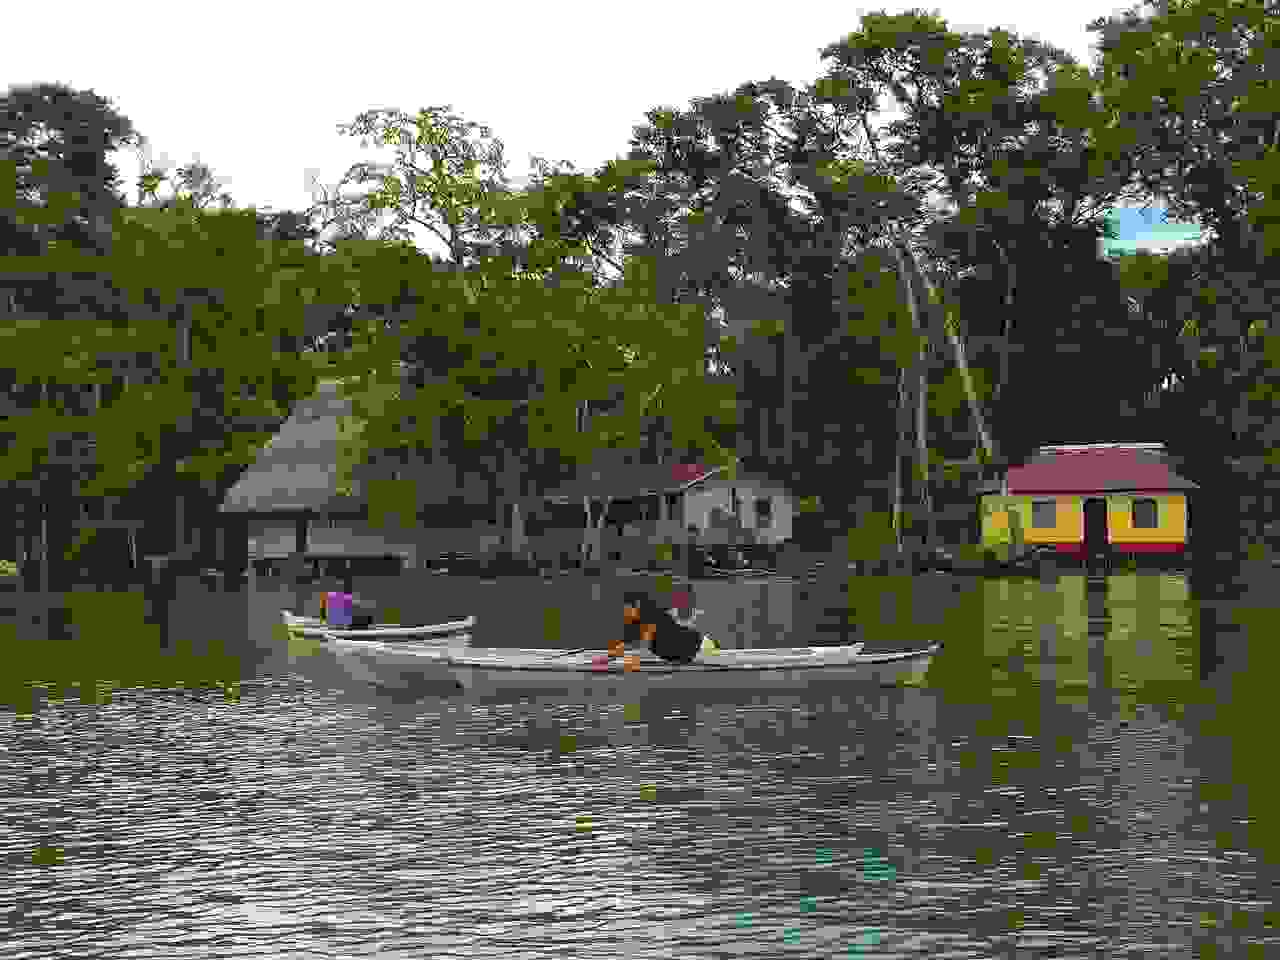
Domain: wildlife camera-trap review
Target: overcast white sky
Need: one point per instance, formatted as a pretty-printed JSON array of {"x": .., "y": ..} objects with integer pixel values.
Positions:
[{"x": 256, "y": 90}]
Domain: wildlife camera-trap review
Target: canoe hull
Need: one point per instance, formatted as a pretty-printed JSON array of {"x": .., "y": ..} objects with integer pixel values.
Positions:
[
  {"x": 314, "y": 628},
  {"x": 703, "y": 679},
  {"x": 513, "y": 675},
  {"x": 420, "y": 668}
]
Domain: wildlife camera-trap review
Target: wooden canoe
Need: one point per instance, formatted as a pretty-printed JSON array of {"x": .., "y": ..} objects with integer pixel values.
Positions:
[{"x": 435, "y": 668}]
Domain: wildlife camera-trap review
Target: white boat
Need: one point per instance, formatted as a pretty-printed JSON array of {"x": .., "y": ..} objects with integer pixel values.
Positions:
[
  {"x": 434, "y": 632},
  {"x": 443, "y": 669}
]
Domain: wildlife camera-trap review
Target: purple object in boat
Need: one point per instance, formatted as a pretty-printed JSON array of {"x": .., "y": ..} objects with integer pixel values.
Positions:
[{"x": 337, "y": 609}]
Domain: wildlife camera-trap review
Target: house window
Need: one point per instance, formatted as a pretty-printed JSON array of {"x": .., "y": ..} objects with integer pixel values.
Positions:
[
  {"x": 1044, "y": 513},
  {"x": 764, "y": 512},
  {"x": 1145, "y": 514}
]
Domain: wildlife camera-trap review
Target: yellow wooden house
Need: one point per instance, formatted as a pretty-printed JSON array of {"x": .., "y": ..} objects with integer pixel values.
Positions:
[{"x": 1089, "y": 500}]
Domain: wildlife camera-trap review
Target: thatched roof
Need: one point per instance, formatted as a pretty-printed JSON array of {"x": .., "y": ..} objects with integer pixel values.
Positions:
[{"x": 297, "y": 469}]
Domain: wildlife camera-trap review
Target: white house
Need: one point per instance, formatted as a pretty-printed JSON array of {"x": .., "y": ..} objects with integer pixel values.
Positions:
[
  {"x": 765, "y": 510},
  {"x": 667, "y": 502}
]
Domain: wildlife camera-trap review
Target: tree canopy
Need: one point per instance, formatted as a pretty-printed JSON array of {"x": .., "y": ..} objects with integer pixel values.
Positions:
[{"x": 767, "y": 273}]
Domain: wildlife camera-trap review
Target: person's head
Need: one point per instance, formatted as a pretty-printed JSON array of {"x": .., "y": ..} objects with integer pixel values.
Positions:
[
  {"x": 682, "y": 600},
  {"x": 635, "y": 604}
]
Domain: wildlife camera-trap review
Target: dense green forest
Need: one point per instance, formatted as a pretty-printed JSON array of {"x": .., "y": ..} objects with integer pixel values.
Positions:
[{"x": 768, "y": 274}]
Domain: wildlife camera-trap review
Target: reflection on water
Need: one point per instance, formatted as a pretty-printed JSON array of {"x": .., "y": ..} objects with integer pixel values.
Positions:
[
  {"x": 1049, "y": 792},
  {"x": 1127, "y": 638}
]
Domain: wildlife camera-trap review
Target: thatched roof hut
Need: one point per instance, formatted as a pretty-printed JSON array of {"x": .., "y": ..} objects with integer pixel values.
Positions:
[{"x": 294, "y": 483}]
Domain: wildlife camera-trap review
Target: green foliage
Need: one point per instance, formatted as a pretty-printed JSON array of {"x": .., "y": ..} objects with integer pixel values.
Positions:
[
  {"x": 1142, "y": 273},
  {"x": 500, "y": 326},
  {"x": 188, "y": 292},
  {"x": 58, "y": 141},
  {"x": 112, "y": 645},
  {"x": 716, "y": 232},
  {"x": 1190, "y": 83},
  {"x": 871, "y": 538},
  {"x": 393, "y": 503},
  {"x": 444, "y": 169},
  {"x": 947, "y": 395}
]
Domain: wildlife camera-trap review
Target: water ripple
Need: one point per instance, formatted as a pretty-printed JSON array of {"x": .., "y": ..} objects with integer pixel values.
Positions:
[{"x": 298, "y": 824}]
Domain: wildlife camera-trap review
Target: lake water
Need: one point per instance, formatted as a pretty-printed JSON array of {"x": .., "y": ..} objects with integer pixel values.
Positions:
[{"x": 1064, "y": 785}]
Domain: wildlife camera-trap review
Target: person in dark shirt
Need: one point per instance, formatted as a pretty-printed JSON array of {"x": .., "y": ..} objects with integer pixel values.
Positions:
[{"x": 649, "y": 624}]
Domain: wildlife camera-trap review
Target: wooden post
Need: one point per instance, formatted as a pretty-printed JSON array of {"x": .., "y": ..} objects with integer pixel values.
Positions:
[
  {"x": 898, "y": 454},
  {"x": 44, "y": 547},
  {"x": 236, "y": 563},
  {"x": 600, "y": 534},
  {"x": 219, "y": 559},
  {"x": 179, "y": 533},
  {"x": 300, "y": 534},
  {"x": 517, "y": 529}
]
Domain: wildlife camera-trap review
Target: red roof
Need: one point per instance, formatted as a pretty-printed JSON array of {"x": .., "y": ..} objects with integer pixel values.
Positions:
[
  {"x": 683, "y": 473},
  {"x": 623, "y": 481},
  {"x": 1096, "y": 471}
]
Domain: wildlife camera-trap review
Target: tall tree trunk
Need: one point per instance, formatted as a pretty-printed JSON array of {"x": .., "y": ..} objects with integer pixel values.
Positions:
[
  {"x": 909, "y": 261},
  {"x": 182, "y": 354},
  {"x": 957, "y": 346},
  {"x": 922, "y": 457},
  {"x": 44, "y": 547},
  {"x": 604, "y": 512},
  {"x": 921, "y": 395},
  {"x": 581, "y": 416},
  {"x": 593, "y": 536},
  {"x": 1005, "y": 341},
  {"x": 512, "y": 493},
  {"x": 899, "y": 451},
  {"x": 788, "y": 399}
]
